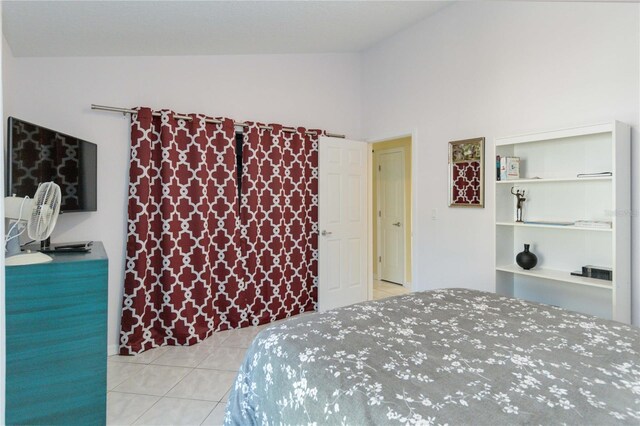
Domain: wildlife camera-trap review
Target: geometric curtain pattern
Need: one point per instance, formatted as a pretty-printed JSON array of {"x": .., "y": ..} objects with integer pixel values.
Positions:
[
  {"x": 183, "y": 272},
  {"x": 466, "y": 183},
  {"x": 200, "y": 260},
  {"x": 279, "y": 214},
  {"x": 42, "y": 155}
]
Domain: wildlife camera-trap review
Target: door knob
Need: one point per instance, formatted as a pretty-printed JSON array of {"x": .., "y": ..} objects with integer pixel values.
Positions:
[
  {"x": 396, "y": 224},
  {"x": 326, "y": 233}
]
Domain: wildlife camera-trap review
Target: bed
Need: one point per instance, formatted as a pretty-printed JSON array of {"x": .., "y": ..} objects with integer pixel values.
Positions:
[{"x": 453, "y": 356}]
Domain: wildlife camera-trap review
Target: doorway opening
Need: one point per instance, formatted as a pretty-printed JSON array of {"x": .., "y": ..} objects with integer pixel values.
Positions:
[{"x": 391, "y": 198}]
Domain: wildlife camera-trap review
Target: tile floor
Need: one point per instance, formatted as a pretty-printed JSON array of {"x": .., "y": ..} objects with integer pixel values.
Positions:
[
  {"x": 176, "y": 385},
  {"x": 382, "y": 289},
  {"x": 185, "y": 385}
]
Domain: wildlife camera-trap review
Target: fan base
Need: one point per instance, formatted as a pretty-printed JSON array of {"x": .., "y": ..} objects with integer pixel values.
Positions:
[{"x": 29, "y": 258}]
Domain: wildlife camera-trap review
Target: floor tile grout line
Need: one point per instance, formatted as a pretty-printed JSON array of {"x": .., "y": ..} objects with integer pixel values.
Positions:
[
  {"x": 150, "y": 365},
  {"x": 145, "y": 411},
  {"x": 175, "y": 365},
  {"x": 121, "y": 382},
  {"x": 206, "y": 358},
  {"x": 134, "y": 393},
  {"x": 217, "y": 369},
  {"x": 191, "y": 369},
  {"x": 113, "y": 388},
  {"x": 160, "y": 398},
  {"x": 189, "y": 399},
  {"x": 207, "y": 416},
  {"x": 128, "y": 362},
  {"x": 178, "y": 382}
]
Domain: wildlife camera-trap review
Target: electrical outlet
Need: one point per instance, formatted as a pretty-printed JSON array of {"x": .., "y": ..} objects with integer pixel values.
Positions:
[{"x": 434, "y": 214}]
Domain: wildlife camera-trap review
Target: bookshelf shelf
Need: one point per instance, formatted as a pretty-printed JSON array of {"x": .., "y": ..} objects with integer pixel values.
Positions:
[
  {"x": 563, "y": 227},
  {"x": 554, "y": 275},
  {"x": 553, "y": 180},
  {"x": 562, "y": 155}
]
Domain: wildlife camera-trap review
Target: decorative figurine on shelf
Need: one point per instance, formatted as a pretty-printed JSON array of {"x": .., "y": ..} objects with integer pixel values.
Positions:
[
  {"x": 521, "y": 200},
  {"x": 525, "y": 259}
]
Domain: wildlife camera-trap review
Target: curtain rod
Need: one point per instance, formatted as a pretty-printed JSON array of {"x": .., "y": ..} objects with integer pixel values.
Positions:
[{"x": 208, "y": 120}]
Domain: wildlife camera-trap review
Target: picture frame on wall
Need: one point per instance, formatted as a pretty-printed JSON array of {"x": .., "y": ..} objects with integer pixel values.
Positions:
[{"x": 466, "y": 173}]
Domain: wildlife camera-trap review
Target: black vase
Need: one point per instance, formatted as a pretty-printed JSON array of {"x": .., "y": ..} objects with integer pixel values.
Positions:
[{"x": 526, "y": 259}]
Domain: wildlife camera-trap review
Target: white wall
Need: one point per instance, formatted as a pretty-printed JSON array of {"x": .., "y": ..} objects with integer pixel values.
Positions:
[
  {"x": 495, "y": 69},
  {"x": 319, "y": 91}
]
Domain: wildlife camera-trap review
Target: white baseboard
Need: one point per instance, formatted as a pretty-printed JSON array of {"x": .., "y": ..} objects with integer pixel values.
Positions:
[{"x": 112, "y": 350}]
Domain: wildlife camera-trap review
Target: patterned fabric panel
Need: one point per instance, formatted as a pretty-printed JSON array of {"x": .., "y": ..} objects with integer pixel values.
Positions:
[
  {"x": 184, "y": 273},
  {"x": 279, "y": 213},
  {"x": 198, "y": 261},
  {"x": 450, "y": 356},
  {"x": 466, "y": 182}
]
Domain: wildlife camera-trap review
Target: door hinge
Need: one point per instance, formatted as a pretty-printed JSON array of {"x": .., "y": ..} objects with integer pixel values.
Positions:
[
  {"x": 379, "y": 168},
  {"x": 379, "y": 213},
  {"x": 379, "y": 258}
]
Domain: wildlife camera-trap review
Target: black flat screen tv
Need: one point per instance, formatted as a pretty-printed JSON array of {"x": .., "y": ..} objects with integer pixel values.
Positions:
[{"x": 37, "y": 154}]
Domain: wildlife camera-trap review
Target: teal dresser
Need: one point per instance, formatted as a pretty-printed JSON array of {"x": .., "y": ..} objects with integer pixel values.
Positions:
[{"x": 57, "y": 340}]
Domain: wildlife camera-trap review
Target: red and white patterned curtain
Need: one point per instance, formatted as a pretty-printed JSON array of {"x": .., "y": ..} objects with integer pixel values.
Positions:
[
  {"x": 279, "y": 213},
  {"x": 200, "y": 260},
  {"x": 184, "y": 273}
]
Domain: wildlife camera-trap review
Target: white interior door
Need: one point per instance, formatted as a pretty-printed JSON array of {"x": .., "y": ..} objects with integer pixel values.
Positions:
[
  {"x": 343, "y": 222},
  {"x": 391, "y": 215}
]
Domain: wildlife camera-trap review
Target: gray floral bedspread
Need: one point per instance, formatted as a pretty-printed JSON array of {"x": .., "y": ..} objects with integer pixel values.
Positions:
[{"x": 451, "y": 356}]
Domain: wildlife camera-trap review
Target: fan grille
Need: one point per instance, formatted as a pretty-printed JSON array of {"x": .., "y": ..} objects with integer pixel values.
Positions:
[{"x": 44, "y": 214}]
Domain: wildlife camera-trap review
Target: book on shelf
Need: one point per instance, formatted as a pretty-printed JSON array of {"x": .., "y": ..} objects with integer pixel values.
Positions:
[
  {"x": 597, "y": 224},
  {"x": 513, "y": 168},
  {"x": 509, "y": 168},
  {"x": 598, "y": 272}
]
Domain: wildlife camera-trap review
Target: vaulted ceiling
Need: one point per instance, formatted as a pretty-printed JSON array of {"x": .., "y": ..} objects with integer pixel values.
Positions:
[{"x": 148, "y": 28}]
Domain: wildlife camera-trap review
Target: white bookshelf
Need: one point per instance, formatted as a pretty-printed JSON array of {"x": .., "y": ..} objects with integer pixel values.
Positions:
[{"x": 550, "y": 163}]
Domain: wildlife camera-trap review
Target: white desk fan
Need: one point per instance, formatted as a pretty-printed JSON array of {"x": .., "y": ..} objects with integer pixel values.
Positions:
[{"x": 40, "y": 215}]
